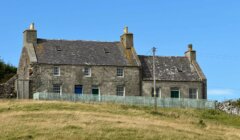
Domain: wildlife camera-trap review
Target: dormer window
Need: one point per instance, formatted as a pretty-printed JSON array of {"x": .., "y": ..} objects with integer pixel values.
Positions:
[
  {"x": 87, "y": 72},
  {"x": 56, "y": 71},
  {"x": 120, "y": 72}
]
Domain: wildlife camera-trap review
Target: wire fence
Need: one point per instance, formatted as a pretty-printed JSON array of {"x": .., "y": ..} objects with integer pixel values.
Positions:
[{"x": 128, "y": 100}]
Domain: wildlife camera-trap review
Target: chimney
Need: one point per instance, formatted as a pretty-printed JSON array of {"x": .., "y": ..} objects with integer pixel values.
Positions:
[
  {"x": 127, "y": 39},
  {"x": 30, "y": 35},
  {"x": 190, "y": 54}
]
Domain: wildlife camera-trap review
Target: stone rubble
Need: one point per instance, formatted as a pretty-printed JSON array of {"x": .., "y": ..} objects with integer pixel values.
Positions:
[
  {"x": 7, "y": 89},
  {"x": 229, "y": 107}
]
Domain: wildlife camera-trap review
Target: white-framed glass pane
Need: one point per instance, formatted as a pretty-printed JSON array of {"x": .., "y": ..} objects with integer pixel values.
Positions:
[
  {"x": 87, "y": 71},
  {"x": 56, "y": 88},
  {"x": 56, "y": 71},
  {"x": 193, "y": 93},
  {"x": 158, "y": 91},
  {"x": 120, "y": 90},
  {"x": 120, "y": 72}
]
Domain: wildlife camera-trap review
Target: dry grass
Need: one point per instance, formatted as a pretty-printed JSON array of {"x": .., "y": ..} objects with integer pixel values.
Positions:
[{"x": 65, "y": 120}]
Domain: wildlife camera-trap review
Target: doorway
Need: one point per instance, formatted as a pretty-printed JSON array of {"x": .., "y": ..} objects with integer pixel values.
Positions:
[
  {"x": 78, "y": 89},
  {"x": 175, "y": 92},
  {"x": 95, "y": 90}
]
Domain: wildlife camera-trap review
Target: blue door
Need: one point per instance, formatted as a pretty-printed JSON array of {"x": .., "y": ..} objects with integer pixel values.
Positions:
[{"x": 78, "y": 89}]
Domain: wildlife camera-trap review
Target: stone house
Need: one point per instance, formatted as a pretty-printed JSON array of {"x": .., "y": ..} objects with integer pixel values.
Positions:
[
  {"x": 102, "y": 68},
  {"x": 176, "y": 76}
]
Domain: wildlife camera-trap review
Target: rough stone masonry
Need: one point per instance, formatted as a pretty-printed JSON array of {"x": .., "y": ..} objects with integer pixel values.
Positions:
[{"x": 104, "y": 68}]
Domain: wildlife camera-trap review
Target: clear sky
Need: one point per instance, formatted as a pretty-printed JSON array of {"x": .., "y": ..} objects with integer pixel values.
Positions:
[{"x": 212, "y": 26}]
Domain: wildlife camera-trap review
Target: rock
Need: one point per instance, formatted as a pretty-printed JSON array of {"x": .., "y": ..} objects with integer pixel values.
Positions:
[
  {"x": 228, "y": 107},
  {"x": 7, "y": 89}
]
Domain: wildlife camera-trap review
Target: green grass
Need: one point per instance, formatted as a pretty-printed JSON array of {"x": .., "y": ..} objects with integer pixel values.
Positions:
[
  {"x": 237, "y": 103},
  {"x": 65, "y": 120}
]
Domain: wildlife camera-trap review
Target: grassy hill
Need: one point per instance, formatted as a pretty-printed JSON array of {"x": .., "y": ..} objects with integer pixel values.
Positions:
[{"x": 65, "y": 120}]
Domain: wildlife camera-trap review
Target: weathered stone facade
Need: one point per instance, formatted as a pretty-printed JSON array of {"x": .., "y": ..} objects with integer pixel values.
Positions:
[
  {"x": 40, "y": 56},
  {"x": 165, "y": 88},
  {"x": 71, "y": 57},
  {"x": 176, "y": 76},
  {"x": 70, "y": 75}
]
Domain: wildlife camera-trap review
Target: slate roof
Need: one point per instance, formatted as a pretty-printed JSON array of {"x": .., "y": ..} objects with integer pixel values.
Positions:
[
  {"x": 168, "y": 68},
  {"x": 80, "y": 52}
]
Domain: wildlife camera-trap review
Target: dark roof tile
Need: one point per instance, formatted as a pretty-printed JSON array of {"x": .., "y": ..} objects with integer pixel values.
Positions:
[
  {"x": 168, "y": 68},
  {"x": 80, "y": 52}
]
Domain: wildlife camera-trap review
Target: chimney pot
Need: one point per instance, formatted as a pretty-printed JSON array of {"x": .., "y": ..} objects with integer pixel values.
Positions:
[
  {"x": 125, "y": 30},
  {"x": 189, "y": 47},
  {"x": 30, "y": 35},
  {"x": 32, "y": 26}
]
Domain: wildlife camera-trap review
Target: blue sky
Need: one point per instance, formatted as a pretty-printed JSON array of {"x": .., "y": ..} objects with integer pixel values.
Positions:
[{"x": 212, "y": 26}]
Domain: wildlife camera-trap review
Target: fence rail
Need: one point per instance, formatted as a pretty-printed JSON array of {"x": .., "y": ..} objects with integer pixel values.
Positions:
[{"x": 128, "y": 100}]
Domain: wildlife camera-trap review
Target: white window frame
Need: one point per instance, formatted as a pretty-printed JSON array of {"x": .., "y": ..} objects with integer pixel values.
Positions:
[
  {"x": 192, "y": 93},
  {"x": 58, "y": 68},
  {"x": 89, "y": 72},
  {"x": 122, "y": 72},
  {"x": 60, "y": 88},
  {"x": 159, "y": 92},
  {"x": 123, "y": 90}
]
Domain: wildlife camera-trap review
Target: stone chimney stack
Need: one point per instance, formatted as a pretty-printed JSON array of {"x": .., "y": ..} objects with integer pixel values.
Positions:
[
  {"x": 190, "y": 54},
  {"x": 30, "y": 35},
  {"x": 127, "y": 39}
]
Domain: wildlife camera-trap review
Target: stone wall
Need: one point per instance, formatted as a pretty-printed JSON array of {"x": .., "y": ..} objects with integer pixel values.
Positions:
[
  {"x": 166, "y": 88},
  {"x": 104, "y": 77},
  {"x": 7, "y": 89},
  {"x": 23, "y": 75}
]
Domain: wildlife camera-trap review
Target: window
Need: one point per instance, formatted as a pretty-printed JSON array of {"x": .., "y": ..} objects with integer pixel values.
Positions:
[
  {"x": 158, "y": 91},
  {"x": 193, "y": 93},
  {"x": 120, "y": 91},
  {"x": 56, "y": 71},
  {"x": 175, "y": 93},
  {"x": 87, "y": 71},
  {"x": 57, "y": 88},
  {"x": 120, "y": 72}
]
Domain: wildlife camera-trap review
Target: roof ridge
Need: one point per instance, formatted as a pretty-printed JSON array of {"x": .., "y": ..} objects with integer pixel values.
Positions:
[
  {"x": 78, "y": 40},
  {"x": 161, "y": 56}
]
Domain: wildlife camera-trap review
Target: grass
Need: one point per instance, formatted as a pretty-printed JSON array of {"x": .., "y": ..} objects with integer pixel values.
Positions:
[
  {"x": 65, "y": 120},
  {"x": 236, "y": 103}
]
